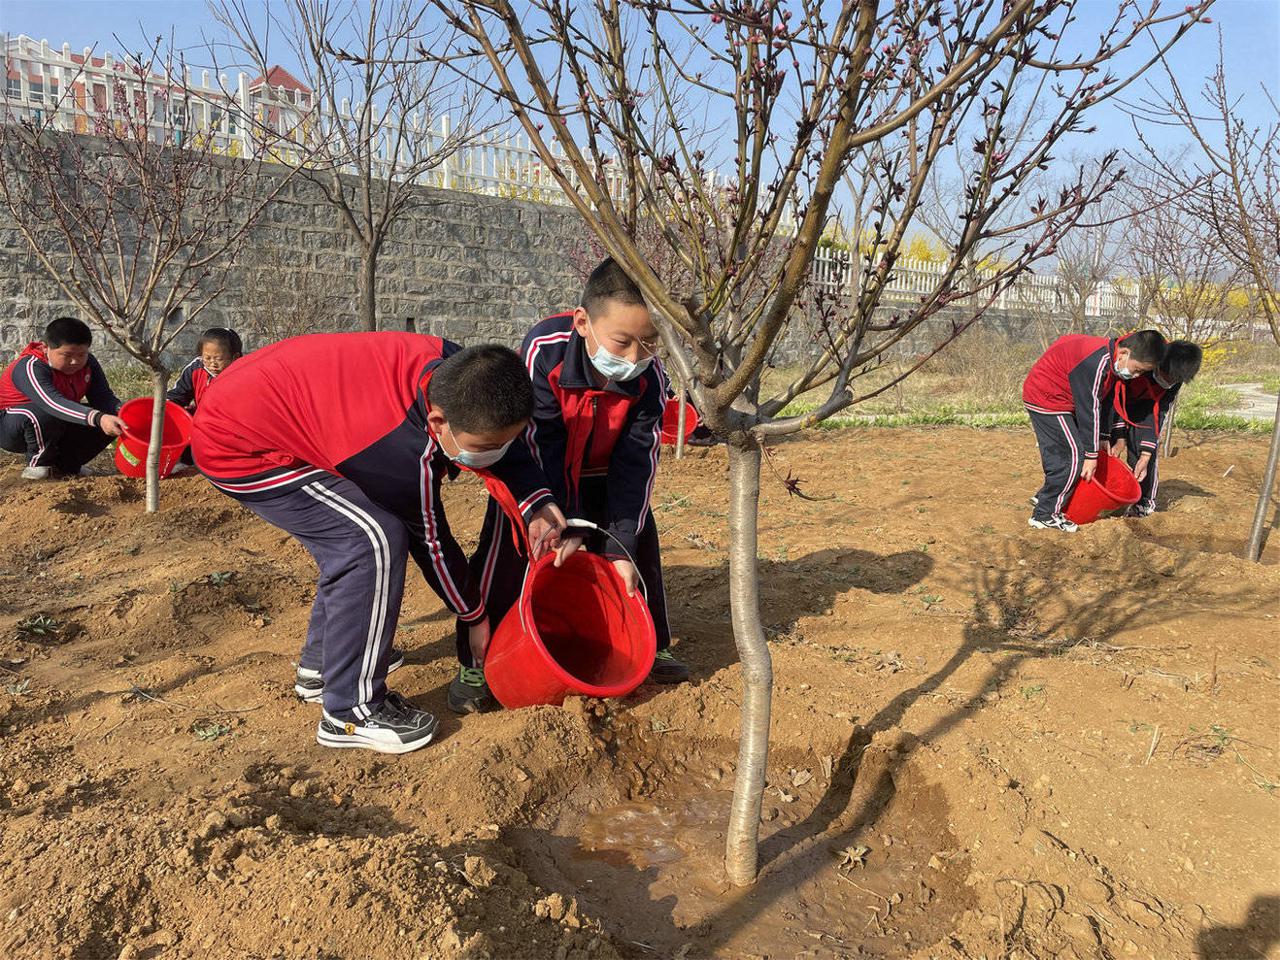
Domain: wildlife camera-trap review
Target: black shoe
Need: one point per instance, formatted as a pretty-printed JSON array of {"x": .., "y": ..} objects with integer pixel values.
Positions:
[
  {"x": 667, "y": 669},
  {"x": 309, "y": 685},
  {"x": 397, "y": 726},
  {"x": 468, "y": 693},
  {"x": 702, "y": 437}
]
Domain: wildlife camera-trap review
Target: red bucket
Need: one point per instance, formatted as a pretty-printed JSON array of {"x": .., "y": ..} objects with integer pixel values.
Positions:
[
  {"x": 671, "y": 421},
  {"x": 574, "y": 632},
  {"x": 131, "y": 448},
  {"x": 1113, "y": 486}
]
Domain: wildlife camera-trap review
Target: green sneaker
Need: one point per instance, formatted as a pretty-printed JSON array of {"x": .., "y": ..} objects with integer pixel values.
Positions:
[
  {"x": 468, "y": 693},
  {"x": 667, "y": 669}
]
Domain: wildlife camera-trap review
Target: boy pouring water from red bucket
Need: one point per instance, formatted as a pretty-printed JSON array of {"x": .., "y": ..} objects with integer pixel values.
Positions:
[{"x": 1069, "y": 395}]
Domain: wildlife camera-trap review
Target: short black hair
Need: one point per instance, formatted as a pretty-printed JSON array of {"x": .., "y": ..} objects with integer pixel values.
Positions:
[
  {"x": 481, "y": 389},
  {"x": 67, "y": 330},
  {"x": 1145, "y": 346},
  {"x": 228, "y": 340},
  {"x": 610, "y": 282},
  {"x": 1181, "y": 361}
]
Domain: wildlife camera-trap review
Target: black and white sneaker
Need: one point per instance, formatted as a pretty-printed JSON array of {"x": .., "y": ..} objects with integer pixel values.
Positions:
[
  {"x": 1056, "y": 522},
  {"x": 397, "y": 726},
  {"x": 309, "y": 685},
  {"x": 1140, "y": 510},
  {"x": 1035, "y": 501}
]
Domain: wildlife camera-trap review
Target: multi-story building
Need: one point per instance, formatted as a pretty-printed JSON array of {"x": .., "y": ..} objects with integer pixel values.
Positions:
[{"x": 84, "y": 91}]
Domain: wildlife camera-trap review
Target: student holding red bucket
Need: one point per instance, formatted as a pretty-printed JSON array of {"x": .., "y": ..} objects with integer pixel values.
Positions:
[
  {"x": 1142, "y": 409},
  {"x": 342, "y": 440},
  {"x": 1069, "y": 395},
  {"x": 596, "y": 432},
  {"x": 56, "y": 407}
]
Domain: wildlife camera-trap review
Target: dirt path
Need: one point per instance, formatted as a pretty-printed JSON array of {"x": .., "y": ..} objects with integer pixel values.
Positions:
[
  {"x": 1255, "y": 404},
  {"x": 986, "y": 741}
]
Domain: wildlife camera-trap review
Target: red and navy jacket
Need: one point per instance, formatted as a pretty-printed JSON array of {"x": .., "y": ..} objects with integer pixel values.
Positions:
[
  {"x": 355, "y": 405},
  {"x": 81, "y": 397},
  {"x": 1075, "y": 376},
  {"x": 584, "y": 431},
  {"x": 1144, "y": 405},
  {"x": 191, "y": 385}
]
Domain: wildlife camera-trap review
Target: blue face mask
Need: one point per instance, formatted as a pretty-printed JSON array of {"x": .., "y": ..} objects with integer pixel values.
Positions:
[
  {"x": 612, "y": 367},
  {"x": 1124, "y": 374},
  {"x": 476, "y": 459}
]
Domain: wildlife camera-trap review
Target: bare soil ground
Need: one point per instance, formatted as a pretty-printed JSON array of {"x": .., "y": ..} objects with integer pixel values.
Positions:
[{"x": 988, "y": 741}]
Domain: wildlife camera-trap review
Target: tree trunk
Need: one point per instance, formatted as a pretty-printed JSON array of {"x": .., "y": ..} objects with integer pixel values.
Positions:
[
  {"x": 741, "y": 842},
  {"x": 681, "y": 420},
  {"x": 1256, "y": 535},
  {"x": 159, "y": 385},
  {"x": 368, "y": 302},
  {"x": 1168, "y": 429}
]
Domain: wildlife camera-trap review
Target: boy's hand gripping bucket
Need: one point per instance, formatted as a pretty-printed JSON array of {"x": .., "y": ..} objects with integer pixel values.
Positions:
[
  {"x": 574, "y": 631},
  {"x": 131, "y": 446},
  {"x": 1113, "y": 486}
]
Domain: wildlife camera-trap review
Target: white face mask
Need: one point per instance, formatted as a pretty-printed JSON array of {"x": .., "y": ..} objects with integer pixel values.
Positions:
[
  {"x": 1124, "y": 374},
  {"x": 613, "y": 367},
  {"x": 1164, "y": 384},
  {"x": 476, "y": 459}
]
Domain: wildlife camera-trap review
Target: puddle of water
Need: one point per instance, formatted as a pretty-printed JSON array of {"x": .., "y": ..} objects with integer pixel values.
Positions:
[{"x": 645, "y": 834}]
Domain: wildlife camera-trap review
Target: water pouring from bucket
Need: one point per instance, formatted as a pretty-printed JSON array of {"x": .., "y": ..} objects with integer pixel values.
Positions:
[{"x": 573, "y": 632}]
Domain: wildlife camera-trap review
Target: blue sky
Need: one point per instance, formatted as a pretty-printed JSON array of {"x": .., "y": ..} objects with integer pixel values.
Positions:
[{"x": 1250, "y": 33}]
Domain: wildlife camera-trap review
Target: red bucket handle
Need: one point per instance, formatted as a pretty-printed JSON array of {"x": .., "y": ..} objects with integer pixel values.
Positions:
[{"x": 581, "y": 524}]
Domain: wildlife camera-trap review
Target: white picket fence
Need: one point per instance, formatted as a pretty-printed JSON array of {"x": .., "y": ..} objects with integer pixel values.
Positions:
[{"x": 834, "y": 275}]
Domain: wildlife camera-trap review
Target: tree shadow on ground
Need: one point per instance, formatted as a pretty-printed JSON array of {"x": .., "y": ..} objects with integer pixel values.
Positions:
[
  {"x": 1010, "y": 621},
  {"x": 1252, "y": 939},
  {"x": 698, "y": 598}
]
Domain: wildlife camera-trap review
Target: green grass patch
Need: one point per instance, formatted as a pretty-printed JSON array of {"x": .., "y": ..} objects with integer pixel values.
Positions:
[
  {"x": 1201, "y": 420},
  {"x": 1203, "y": 396},
  {"x": 1271, "y": 384}
]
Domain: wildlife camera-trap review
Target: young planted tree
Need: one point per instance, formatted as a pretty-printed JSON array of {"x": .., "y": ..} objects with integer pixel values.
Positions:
[
  {"x": 373, "y": 131},
  {"x": 783, "y": 101},
  {"x": 136, "y": 217},
  {"x": 1230, "y": 182}
]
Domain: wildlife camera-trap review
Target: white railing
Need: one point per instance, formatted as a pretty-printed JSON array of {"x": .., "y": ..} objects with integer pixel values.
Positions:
[{"x": 835, "y": 276}]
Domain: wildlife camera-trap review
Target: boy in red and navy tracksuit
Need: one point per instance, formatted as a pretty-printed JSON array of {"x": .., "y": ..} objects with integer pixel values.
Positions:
[
  {"x": 596, "y": 431},
  {"x": 56, "y": 406},
  {"x": 1068, "y": 394},
  {"x": 342, "y": 440},
  {"x": 216, "y": 350},
  {"x": 1142, "y": 408}
]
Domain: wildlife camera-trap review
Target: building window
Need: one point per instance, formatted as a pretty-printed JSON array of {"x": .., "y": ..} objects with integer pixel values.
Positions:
[
  {"x": 215, "y": 118},
  {"x": 35, "y": 91},
  {"x": 13, "y": 89},
  {"x": 179, "y": 114}
]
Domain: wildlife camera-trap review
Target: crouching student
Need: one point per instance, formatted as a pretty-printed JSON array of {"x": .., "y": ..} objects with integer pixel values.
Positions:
[
  {"x": 342, "y": 440},
  {"x": 1142, "y": 408},
  {"x": 596, "y": 432},
  {"x": 1068, "y": 394},
  {"x": 58, "y": 409},
  {"x": 216, "y": 350}
]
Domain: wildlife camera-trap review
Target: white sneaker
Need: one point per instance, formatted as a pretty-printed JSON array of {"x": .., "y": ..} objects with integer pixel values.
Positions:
[
  {"x": 35, "y": 473},
  {"x": 308, "y": 684},
  {"x": 395, "y": 727},
  {"x": 1056, "y": 522}
]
